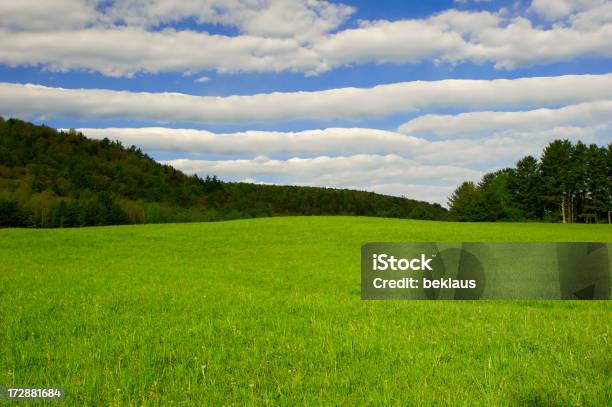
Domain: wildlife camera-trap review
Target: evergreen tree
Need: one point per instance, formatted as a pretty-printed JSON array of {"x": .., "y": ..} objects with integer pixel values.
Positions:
[
  {"x": 12, "y": 215},
  {"x": 557, "y": 178},
  {"x": 526, "y": 189},
  {"x": 496, "y": 201},
  {"x": 598, "y": 199},
  {"x": 464, "y": 203}
]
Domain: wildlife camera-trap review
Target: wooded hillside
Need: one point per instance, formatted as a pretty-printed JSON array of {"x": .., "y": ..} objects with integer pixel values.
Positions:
[{"x": 50, "y": 178}]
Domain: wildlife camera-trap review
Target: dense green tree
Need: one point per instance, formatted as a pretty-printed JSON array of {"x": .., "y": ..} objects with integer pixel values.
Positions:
[
  {"x": 526, "y": 188},
  {"x": 557, "y": 178},
  {"x": 12, "y": 215},
  {"x": 571, "y": 183},
  {"x": 609, "y": 187},
  {"x": 495, "y": 198},
  {"x": 464, "y": 203},
  {"x": 598, "y": 194},
  {"x": 579, "y": 175}
]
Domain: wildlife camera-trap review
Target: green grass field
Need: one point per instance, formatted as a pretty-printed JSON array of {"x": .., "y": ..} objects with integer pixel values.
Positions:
[{"x": 268, "y": 311}]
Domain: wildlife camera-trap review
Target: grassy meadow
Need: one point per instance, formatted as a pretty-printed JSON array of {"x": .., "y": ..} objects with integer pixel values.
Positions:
[{"x": 268, "y": 311}]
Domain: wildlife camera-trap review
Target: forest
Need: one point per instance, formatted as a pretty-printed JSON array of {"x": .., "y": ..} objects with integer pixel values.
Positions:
[
  {"x": 51, "y": 178},
  {"x": 569, "y": 183}
]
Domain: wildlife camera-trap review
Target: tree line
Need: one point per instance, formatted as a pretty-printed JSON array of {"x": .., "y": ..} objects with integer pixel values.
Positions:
[
  {"x": 570, "y": 183},
  {"x": 51, "y": 178}
]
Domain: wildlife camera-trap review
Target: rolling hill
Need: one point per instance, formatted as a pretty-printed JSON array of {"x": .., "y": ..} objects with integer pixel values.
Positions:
[{"x": 50, "y": 178}]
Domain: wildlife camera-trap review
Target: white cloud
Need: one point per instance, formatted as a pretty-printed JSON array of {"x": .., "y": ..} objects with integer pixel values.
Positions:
[
  {"x": 338, "y": 141},
  {"x": 202, "y": 79},
  {"x": 304, "y": 20},
  {"x": 35, "y": 101},
  {"x": 521, "y": 44},
  {"x": 502, "y": 145},
  {"x": 556, "y": 9},
  {"x": 301, "y": 19},
  {"x": 404, "y": 41},
  {"x": 479, "y": 124},
  {"x": 455, "y": 36},
  {"x": 592, "y": 18},
  {"x": 126, "y": 50},
  {"x": 117, "y": 39},
  {"x": 506, "y": 147},
  {"x": 37, "y": 15}
]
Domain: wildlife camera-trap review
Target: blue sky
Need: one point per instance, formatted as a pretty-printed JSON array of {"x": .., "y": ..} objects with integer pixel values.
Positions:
[{"x": 469, "y": 86}]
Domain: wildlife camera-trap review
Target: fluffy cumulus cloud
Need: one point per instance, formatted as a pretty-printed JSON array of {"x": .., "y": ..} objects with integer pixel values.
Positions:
[
  {"x": 46, "y": 16},
  {"x": 304, "y": 20},
  {"x": 202, "y": 79},
  {"x": 332, "y": 171},
  {"x": 482, "y": 123},
  {"x": 557, "y": 9},
  {"x": 343, "y": 141},
  {"x": 343, "y": 103},
  {"x": 123, "y": 51},
  {"x": 498, "y": 146},
  {"x": 456, "y": 36},
  {"x": 122, "y": 37}
]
